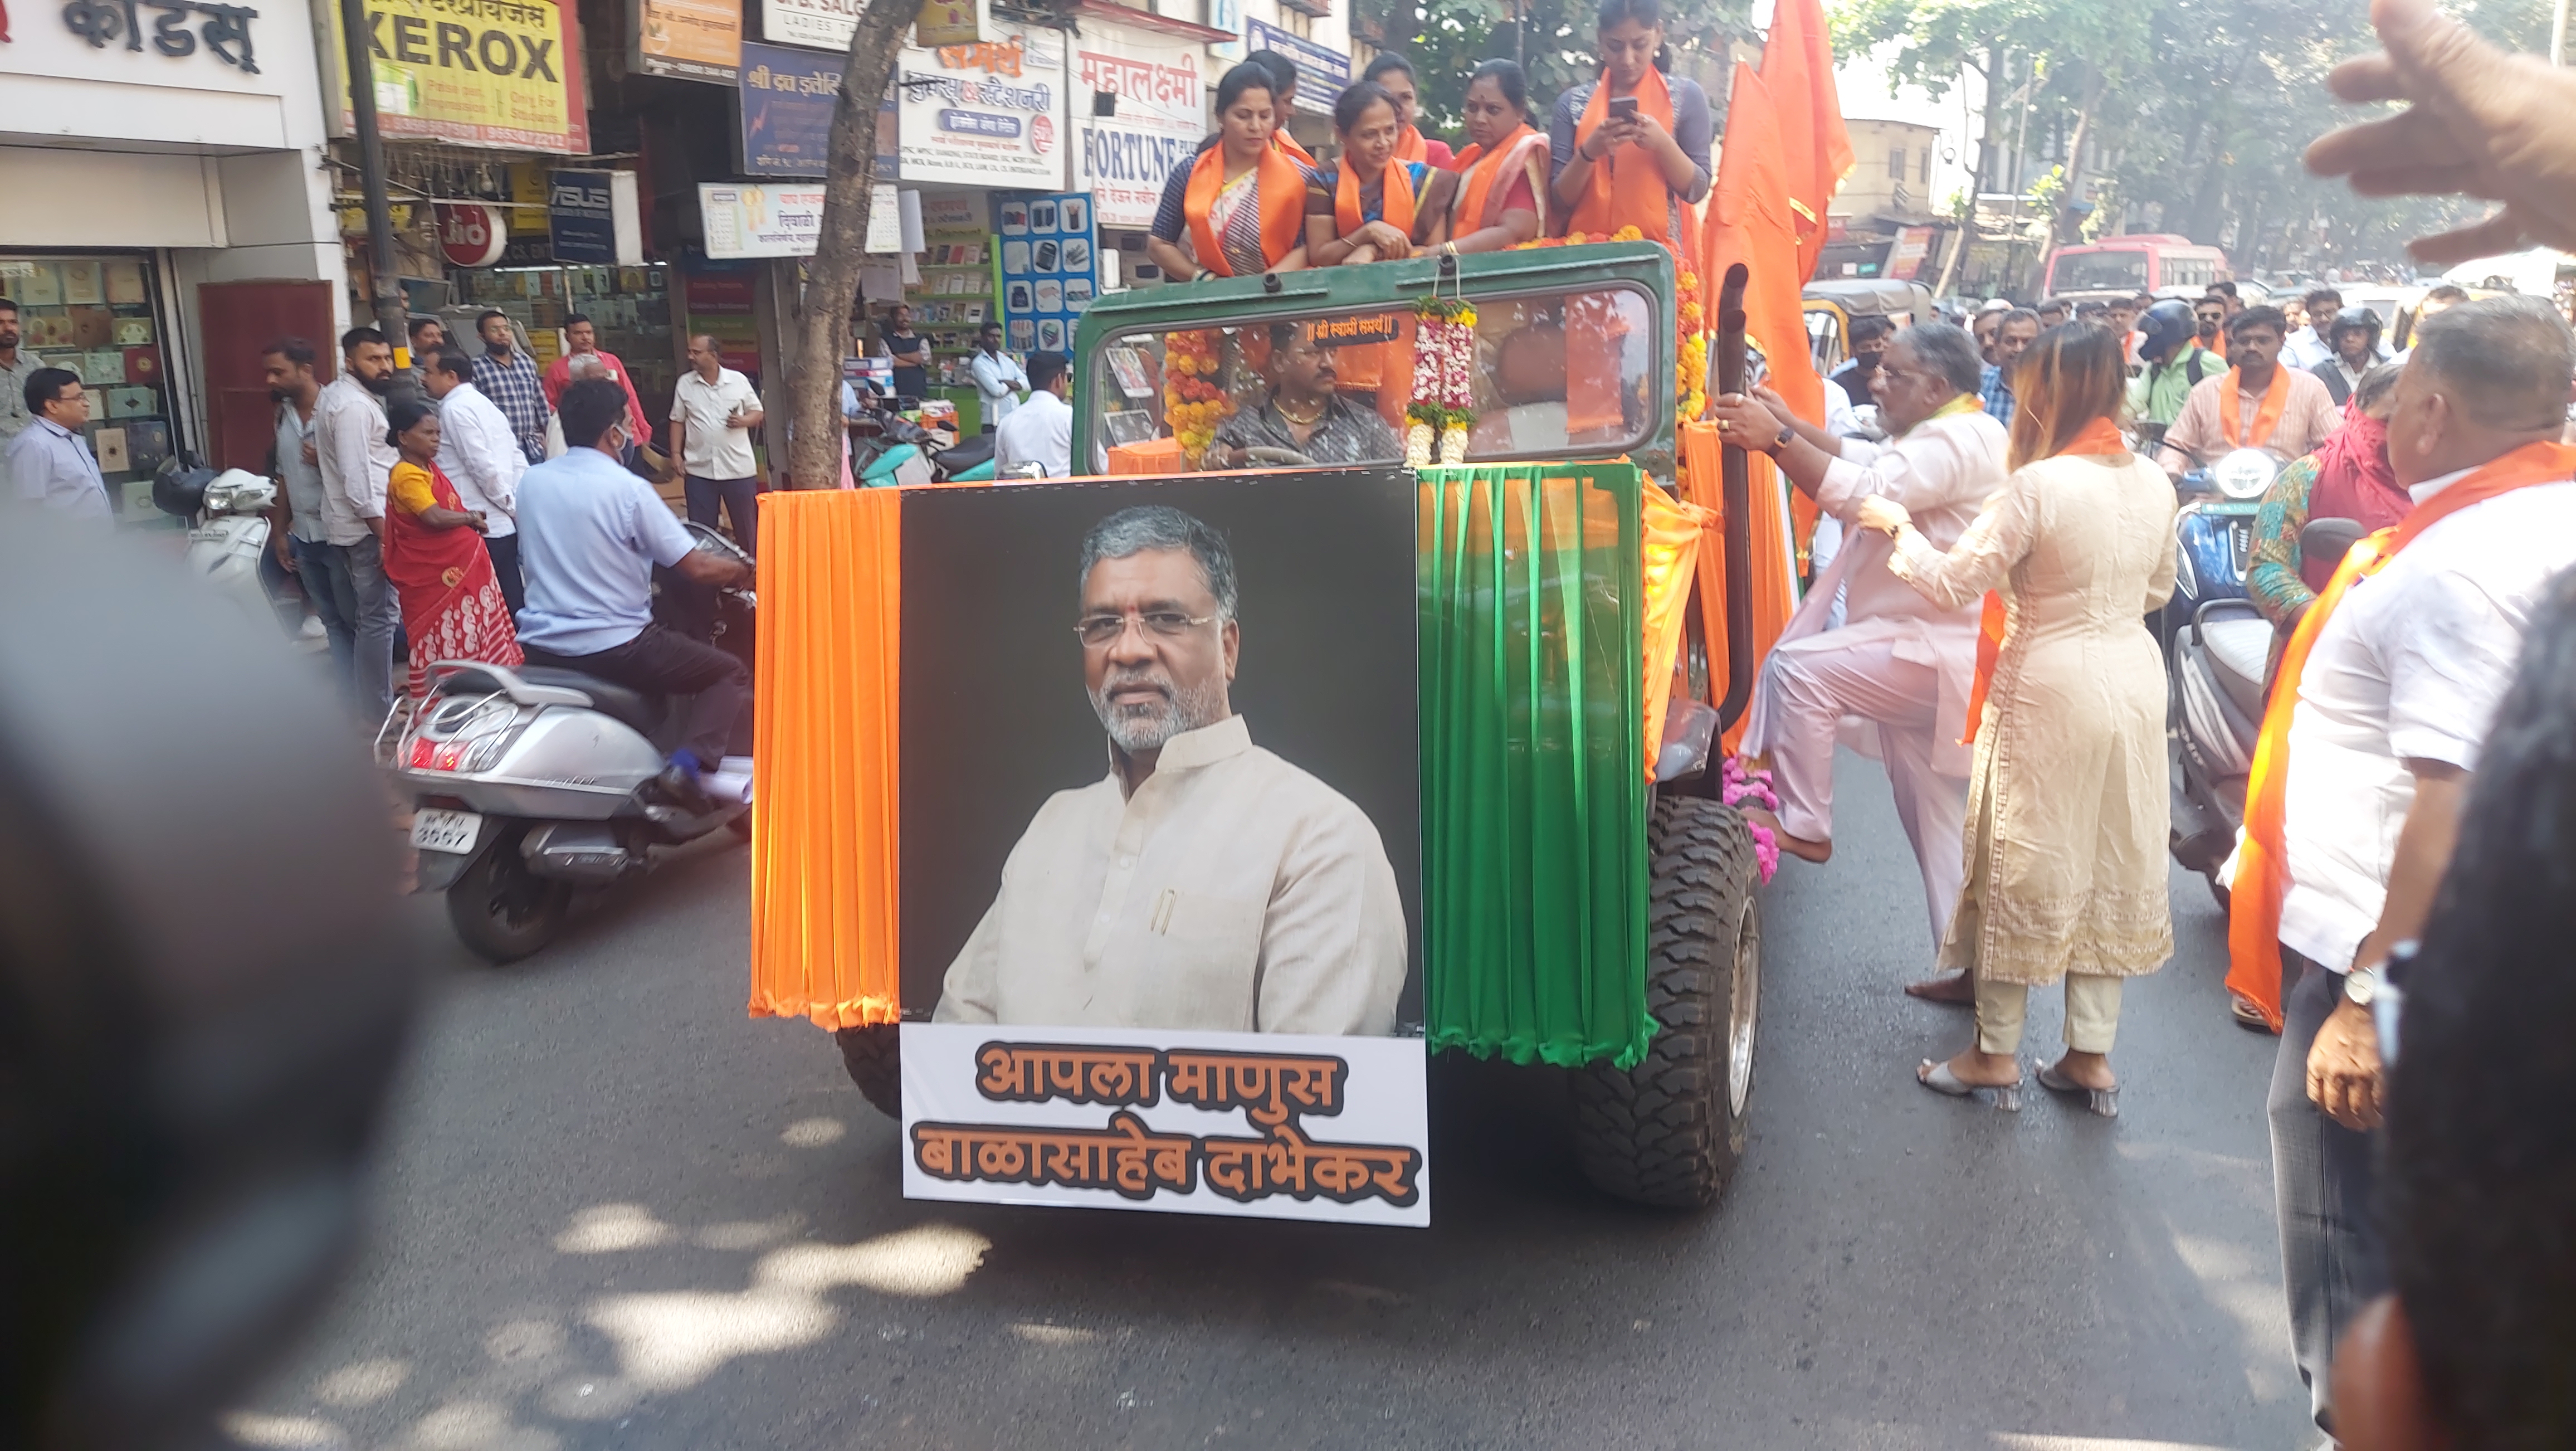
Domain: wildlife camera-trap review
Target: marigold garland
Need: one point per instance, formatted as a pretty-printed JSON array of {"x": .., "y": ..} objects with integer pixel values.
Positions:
[{"x": 1193, "y": 404}]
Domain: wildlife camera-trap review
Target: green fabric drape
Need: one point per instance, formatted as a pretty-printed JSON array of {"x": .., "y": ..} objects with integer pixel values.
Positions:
[{"x": 1533, "y": 772}]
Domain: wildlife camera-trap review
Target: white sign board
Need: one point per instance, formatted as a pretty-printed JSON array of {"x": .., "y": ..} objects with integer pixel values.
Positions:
[
  {"x": 1161, "y": 114},
  {"x": 821, "y": 24},
  {"x": 1268, "y": 1125},
  {"x": 749, "y": 220},
  {"x": 989, "y": 114}
]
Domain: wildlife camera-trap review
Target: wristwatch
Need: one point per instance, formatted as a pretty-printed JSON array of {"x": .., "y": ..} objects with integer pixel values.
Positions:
[
  {"x": 2361, "y": 985},
  {"x": 1781, "y": 439}
]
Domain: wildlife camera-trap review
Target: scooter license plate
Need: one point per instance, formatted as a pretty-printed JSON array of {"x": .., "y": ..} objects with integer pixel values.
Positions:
[{"x": 435, "y": 830}]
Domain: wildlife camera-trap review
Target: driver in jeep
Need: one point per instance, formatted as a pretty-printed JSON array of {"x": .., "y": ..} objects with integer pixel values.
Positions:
[{"x": 1304, "y": 414}]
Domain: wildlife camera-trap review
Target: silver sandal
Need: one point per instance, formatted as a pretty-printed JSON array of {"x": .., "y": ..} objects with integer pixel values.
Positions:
[
  {"x": 2103, "y": 1101},
  {"x": 1937, "y": 1077}
]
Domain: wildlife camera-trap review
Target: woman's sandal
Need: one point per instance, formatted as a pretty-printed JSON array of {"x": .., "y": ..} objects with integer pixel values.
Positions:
[
  {"x": 1938, "y": 1078},
  {"x": 2104, "y": 1101}
]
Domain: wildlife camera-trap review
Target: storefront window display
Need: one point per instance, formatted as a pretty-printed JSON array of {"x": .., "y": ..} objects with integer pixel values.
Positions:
[
  {"x": 100, "y": 316},
  {"x": 629, "y": 308}
]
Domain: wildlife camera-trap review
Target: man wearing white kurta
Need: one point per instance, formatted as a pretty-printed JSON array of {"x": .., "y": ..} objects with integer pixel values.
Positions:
[
  {"x": 1899, "y": 662},
  {"x": 1204, "y": 883},
  {"x": 478, "y": 450}
]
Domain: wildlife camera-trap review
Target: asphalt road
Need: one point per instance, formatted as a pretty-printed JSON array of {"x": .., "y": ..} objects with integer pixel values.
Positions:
[{"x": 617, "y": 1213}]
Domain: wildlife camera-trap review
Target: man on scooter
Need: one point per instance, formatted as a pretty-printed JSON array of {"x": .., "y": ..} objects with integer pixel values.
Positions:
[{"x": 591, "y": 532}]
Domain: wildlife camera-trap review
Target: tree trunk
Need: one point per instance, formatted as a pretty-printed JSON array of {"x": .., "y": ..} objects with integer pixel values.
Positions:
[
  {"x": 832, "y": 277},
  {"x": 2063, "y": 229},
  {"x": 1988, "y": 154}
]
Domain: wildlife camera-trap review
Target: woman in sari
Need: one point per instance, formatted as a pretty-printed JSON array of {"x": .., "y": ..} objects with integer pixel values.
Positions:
[
  {"x": 1503, "y": 173},
  {"x": 1393, "y": 74},
  {"x": 1618, "y": 166},
  {"x": 1369, "y": 206},
  {"x": 451, "y": 599},
  {"x": 2067, "y": 810},
  {"x": 1242, "y": 203}
]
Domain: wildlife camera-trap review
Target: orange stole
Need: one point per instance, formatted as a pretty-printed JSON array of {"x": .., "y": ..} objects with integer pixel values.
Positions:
[
  {"x": 1282, "y": 201},
  {"x": 2267, "y": 414},
  {"x": 2099, "y": 438},
  {"x": 1395, "y": 198},
  {"x": 2254, "y": 911},
  {"x": 1280, "y": 140},
  {"x": 824, "y": 932},
  {"x": 1485, "y": 178},
  {"x": 1634, "y": 195},
  {"x": 1364, "y": 367},
  {"x": 1409, "y": 145}
]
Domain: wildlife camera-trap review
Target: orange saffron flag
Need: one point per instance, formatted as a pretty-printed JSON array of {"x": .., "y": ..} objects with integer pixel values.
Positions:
[
  {"x": 1798, "y": 67},
  {"x": 1749, "y": 221}
]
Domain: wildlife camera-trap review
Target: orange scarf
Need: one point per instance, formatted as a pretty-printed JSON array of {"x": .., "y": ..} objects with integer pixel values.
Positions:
[
  {"x": 1282, "y": 202},
  {"x": 1395, "y": 198},
  {"x": 1409, "y": 145},
  {"x": 1633, "y": 195},
  {"x": 2254, "y": 916},
  {"x": 1486, "y": 178},
  {"x": 1280, "y": 140},
  {"x": 2099, "y": 438},
  {"x": 2267, "y": 414}
]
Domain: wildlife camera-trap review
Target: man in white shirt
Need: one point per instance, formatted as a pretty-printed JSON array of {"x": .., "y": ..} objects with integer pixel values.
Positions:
[
  {"x": 1204, "y": 883},
  {"x": 998, "y": 378},
  {"x": 1900, "y": 662},
  {"x": 2314, "y": 343},
  {"x": 1040, "y": 431},
  {"x": 2393, "y": 705},
  {"x": 49, "y": 462},
  {"x": 713, "y": 411},
  {"x": 357, "y": 462},
  {"x": 479, "y": 452}
]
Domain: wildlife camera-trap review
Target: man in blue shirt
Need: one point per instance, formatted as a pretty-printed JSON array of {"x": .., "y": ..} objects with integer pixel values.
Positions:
[
  {"x": 590, "y": 534},
  {"x": 2019, "y": 330},
  {"x": 49, "y": 461}
]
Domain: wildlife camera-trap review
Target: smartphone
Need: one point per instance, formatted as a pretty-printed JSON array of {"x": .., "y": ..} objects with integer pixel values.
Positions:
[{"x": 1623, "y": 108}]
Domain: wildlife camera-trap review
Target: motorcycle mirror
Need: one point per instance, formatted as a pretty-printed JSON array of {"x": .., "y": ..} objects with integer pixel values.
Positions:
[{"x": 2327, "y": 541}]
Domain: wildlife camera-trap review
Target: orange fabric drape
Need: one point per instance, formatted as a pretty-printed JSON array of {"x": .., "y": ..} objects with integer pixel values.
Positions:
[
  {"x": 1798, "y": 70},
  {"x": 1749, "y": 221},
  {"x": 1409, "y": 145},
  {"x": 2267, "y": 414},
  {"x": 1395, "y": 199},
  {"x": 1485, "y": 179},
  {"x": 1361, "y": 367},
  {"x": 824, "y": 934},
  {"x": 1282, "y": 202},
  {"x": 1673, "y": 539},
  {"x": 1775, "y": 588},
  {"x": 1280, "y": 140},
  {"x": 2254, "y": 910},
  {"x": 2100, "y": 437},
  {"x": 1632, "y": 194}
]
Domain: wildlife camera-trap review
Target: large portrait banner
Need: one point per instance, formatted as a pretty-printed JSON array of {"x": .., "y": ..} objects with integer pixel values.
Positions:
[{"x": 1159, "y": 852}]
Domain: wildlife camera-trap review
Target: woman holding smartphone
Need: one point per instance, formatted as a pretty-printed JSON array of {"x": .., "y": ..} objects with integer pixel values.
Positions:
[{"x": 1630, "y": 149}]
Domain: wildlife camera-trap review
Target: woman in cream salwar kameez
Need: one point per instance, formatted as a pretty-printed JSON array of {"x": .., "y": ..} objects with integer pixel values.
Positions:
[{"x": 2067, "y": 806}]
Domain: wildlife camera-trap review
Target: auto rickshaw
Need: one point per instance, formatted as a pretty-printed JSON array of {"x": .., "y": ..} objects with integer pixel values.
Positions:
[
  {"x": 1831, "y": 305},
  {"x": 1588, "y": 558}
]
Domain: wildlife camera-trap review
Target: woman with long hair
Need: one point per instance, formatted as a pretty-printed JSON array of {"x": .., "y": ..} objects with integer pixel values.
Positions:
[
  {"x": 451, "y": 598},
  {"x": 1503, "y": 173},
  {"x": 2067, "y": 808},
  {"x": 1242, "y": 203},
  {"x": 1369, "y": 205},
  {"x": 1630, "y": 149}
]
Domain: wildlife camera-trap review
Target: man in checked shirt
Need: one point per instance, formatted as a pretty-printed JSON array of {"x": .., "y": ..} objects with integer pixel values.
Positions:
[{"x": 509, "y": 378}]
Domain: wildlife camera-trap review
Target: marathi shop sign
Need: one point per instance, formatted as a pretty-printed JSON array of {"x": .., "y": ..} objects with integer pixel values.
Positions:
[
  {"x": 760, "y": 221},
  {"x": 1159, "y": 115},
  {"x": 1322, "y": 74},
  {"x": 499, "y": 73},
  {"x": 989, "y": 114},
  {"x": 697, "y": 40},
  {"x": 787, "y": 100}
]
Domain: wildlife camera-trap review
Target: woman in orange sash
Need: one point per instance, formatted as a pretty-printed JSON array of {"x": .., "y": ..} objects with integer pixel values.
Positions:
[
  {"x": 1503, "y": 173},
  {"x": 1630, "y": 149},
  {"x": 2067, "y": 810},
  {"x": 1368, "y": 206},
  {"x": 1242, "y": 203},
  {"x": 1393, "y": 74}
]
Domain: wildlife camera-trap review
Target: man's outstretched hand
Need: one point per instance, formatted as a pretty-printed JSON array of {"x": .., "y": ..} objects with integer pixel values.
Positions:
[{"x": 2479, "y": 122}]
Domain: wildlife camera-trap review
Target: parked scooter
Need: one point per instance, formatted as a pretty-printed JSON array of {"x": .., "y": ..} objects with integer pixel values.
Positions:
[
  {"x": 228, "y": 539},
  {"x": 2221, "y": 661},
  {"x": 2214, "y": 535},
  {"x": 533, "y": 786}
]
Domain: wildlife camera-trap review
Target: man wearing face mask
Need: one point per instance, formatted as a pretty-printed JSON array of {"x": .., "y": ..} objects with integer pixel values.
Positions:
[
  {"x": 1203, "y": 883},
  {"x": 357, "y": 461}
]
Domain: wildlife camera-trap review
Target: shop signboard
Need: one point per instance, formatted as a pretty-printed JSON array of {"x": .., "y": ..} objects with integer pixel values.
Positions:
[
  {"x": 989, "y": 114},
  {"x": 695, "y": 40},
  {"x": 1050, "y": 268},
  {"x": 1905, "y": 259},
  {"x": 787, "y": 100},
  {"x": 595, "y": 218},
  {"x": 747, "y": 220},
  {"x": 470, "y": 234},
  {"x": 946, "y": 22},
  {"x": 1322, "y": 74},
  {"x": 498, "y": 73},
  {"x": 1226, "y": 15},
  {"x": 1158, "y": 116}
]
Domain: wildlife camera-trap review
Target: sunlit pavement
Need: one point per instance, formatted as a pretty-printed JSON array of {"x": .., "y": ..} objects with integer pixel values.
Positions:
[{"x": 617, "y": 1213}]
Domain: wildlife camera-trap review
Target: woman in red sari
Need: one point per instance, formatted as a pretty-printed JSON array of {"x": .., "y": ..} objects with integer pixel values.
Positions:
[
  {"x": 1502, "y": 175},
  {"x": 434, "y": 555}
]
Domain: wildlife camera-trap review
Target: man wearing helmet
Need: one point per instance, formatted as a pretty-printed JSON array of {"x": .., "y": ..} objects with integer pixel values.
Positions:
[{"x": 2169, "y": 344}]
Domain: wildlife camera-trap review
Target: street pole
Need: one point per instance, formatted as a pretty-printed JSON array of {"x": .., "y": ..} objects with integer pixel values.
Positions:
[
  {"x": 391, "y": 310},
  {"x": 2558, "y": 34}
]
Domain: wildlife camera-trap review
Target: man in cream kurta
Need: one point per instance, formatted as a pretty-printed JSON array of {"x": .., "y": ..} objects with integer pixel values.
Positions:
[
  {"x": 1204, "y": 883},
  {"x": 1899, "y": 662}
]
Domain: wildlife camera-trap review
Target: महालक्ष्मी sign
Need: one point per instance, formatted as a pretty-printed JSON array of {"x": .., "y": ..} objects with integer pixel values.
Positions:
[{"x": 1157, "y": 119}]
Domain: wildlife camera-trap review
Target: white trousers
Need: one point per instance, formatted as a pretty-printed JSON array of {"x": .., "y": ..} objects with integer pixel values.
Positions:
[{"x": 1811, "y": 685}]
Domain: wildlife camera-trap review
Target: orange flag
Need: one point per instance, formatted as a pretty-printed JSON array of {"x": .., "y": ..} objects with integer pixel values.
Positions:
[
  {"x": 1798, "y": 66},
  {"x": 1750, "y": 221}
]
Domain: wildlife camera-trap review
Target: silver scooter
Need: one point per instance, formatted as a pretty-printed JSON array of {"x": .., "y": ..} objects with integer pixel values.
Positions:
[{"x": 532, "y": 786}]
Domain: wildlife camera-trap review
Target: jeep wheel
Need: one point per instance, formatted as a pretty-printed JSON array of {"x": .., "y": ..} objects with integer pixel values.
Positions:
[
  {"x": 1670, "y": 1131},
  {"x": 875, "y": 1060}
]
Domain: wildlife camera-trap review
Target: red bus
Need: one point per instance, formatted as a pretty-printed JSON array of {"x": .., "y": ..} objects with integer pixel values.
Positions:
[{"x": 2147, "y": 262}]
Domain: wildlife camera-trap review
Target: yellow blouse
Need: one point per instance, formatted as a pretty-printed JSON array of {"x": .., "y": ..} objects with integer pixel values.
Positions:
[{"x": 411, "y": 489}]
